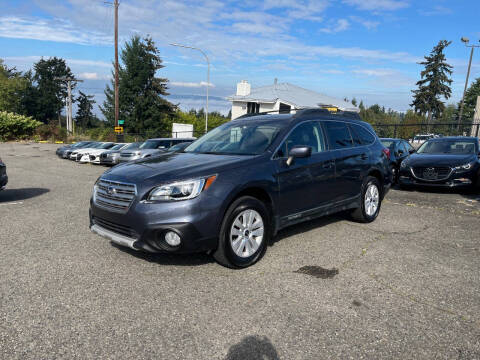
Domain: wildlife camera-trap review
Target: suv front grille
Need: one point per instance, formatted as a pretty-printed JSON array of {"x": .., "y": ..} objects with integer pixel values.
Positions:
[
  {"x": 115, "y": 196},
  {"x": 431, "y": 173}
]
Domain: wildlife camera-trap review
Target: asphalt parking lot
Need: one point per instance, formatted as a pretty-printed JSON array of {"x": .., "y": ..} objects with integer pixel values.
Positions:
[{"x": 407, "y": 285}]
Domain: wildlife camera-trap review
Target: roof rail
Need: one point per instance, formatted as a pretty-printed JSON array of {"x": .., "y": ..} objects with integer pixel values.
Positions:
[
  {"x": 265, "y": 113},
  {"x": 308, "y": 112},
  {"x": 319, "y": 111}
]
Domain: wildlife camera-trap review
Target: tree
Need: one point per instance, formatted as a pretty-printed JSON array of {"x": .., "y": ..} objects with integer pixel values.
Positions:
[
  {"x": 434, "y": 83},
  {"x": 51, "y": 92},
  {"x": 142, "y": 105},
  {"x": 85, "y": 117},
  {"x": 12, "y": 85},
  {"x": 471, "y": 100}
]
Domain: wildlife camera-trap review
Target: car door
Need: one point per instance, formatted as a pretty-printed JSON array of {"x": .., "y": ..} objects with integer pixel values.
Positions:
[
  {"x": 306, "y": 183},
  {"x": 341, "y": 144}
]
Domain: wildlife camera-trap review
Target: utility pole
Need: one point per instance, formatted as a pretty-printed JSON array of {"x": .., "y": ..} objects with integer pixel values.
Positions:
[
  {"x": 465, "y": 41},
  {"x": 208, "y": 77},
  {"x": 116, "y": 63},
  {"x": 69, "y": 102}
]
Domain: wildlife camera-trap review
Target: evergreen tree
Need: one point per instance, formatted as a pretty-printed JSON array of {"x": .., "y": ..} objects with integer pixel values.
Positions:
[
  {"x": 51, "y": 92},
  {"x": 12, "y": 85},
  {"x": 434, "y": 83},
  {"x": 471, "y": 100},
  {"x": 85, "y": 117},
  {"x": 141, "y": 102}
]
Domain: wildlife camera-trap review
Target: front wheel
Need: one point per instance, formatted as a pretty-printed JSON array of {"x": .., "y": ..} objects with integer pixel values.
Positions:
[
  {"x": 244, "y": 234},
  {"x": 370, "y": 201}
]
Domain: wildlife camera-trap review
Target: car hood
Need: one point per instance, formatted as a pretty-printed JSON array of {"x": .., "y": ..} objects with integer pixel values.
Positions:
[
  {"x": 440, "y": 159},
  {"x": 174, "y": 166},
  {"x": 94, "y": 151},
  {"x": 111, "y": 152}
]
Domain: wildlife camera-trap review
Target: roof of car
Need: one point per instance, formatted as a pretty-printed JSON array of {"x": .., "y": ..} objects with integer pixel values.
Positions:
[
  {"x": 454, "y": 138},
  {"x": 172, "y": 139},
  {"x": 304, "y": 114}
]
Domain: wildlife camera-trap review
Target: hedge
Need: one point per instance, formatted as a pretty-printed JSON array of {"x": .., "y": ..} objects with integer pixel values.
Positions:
[{"x": 17, "y": 127}]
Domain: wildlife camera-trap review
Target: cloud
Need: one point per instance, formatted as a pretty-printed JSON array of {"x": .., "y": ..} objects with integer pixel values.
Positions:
[
  {"x": 338, "y": 26},
  {"x": 436, "y": 10},
  {"x": 300, "y": 9},
  {"x": 93, "y": 76},
  {"x": 378, "y": 5},
  {"x": 48, "y": 30},
  {"x": 369, "y": 24},
  {"x": 190, "y": 84},
  {"x": 374, "y": 72}
]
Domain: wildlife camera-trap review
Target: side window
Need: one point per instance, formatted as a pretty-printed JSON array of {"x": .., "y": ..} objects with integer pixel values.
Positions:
[
  {"x": 408, "y": 147},
  {"x": 357, "y": 141},
  {"x": 364, "y": 136},
  {"x": 338, "y": 135},
  {"x": 308, "y": 134}
]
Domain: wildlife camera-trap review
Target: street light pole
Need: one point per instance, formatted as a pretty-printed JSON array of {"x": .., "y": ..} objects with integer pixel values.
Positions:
[
  {"x": 466, "y": 40},
  {"x": 208, "y": 76}
]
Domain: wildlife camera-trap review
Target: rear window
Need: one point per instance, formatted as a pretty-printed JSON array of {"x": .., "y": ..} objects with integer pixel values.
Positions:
[{"x": 338, "y": 135}]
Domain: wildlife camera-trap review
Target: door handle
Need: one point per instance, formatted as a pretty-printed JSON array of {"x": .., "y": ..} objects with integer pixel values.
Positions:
[{"x": 327, "y": 164}]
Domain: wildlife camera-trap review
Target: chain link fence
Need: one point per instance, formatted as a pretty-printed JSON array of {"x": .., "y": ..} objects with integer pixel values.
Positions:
[{"x": 409, "y": 131}]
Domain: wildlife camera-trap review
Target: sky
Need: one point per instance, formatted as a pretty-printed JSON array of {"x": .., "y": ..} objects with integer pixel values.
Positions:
[{"x": 363, "y": 49}]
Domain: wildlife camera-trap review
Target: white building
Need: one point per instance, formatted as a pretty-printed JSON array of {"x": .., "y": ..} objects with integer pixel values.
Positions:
[{"x": 282, "y": 97}]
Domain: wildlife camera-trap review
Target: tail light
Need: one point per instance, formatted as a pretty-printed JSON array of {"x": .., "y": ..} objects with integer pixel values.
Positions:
[{"x": 386, "y": 151}]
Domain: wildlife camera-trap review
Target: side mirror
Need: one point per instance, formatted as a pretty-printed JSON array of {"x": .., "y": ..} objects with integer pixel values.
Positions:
[
  {"x": 411, "y": 151},
  {"x": 299, "y": 151},
  {"x": 400, "y": 152}
]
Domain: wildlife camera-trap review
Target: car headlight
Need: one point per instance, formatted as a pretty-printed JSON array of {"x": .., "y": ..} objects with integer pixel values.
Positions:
[
  {"x": 463, "y": 167},
  {"x": 182, "y": 190}
]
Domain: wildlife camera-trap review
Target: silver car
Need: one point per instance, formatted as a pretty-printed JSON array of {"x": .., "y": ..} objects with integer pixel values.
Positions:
[
  {"x": 112, "y": 156},
  {"x": 151, "y": 147}
]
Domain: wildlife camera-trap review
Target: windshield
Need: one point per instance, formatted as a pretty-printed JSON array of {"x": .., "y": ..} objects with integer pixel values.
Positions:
[
  {"x": 133, "y": 146},
  {"x": 105, "y": 146},
  {"x": 118, "y": 147},
  {"x": 155, "y": 144},
  {"x": 452, "y": 147},
  {"x": 238, "y": 138},
  {"x": 80, "y": 144}
]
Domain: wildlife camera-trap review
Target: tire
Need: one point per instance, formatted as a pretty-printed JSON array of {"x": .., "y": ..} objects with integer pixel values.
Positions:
[
  {"x": 366, "y": 213},
  {"x": 251, "y": 250}
]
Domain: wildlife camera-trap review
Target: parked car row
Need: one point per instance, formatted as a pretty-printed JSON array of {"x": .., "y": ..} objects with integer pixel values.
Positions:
[{"x": 110, "y": 153}]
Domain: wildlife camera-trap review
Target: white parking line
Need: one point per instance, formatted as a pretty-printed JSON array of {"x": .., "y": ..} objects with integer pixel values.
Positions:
[{"x": 12, "y": 203}]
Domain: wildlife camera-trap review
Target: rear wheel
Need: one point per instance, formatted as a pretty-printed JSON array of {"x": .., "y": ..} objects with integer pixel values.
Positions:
[
  {"x": 244, "y": 234},
  {"x": 370, "y": 201}
]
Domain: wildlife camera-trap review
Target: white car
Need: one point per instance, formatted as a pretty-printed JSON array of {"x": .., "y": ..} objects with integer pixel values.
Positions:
[
  {"x": 77, "y": 155},
  {"x": 93, "y": 156}
]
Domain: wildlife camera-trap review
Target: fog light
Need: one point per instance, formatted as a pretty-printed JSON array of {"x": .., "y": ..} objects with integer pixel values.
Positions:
[{"x": 172, "y": 238}]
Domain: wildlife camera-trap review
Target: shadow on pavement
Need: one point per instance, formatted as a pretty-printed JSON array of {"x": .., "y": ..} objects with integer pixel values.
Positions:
[
  {"x": 169, "y": 259},
  {"x": 11, "y": 195},
  {"x": 253, "y": 348}
]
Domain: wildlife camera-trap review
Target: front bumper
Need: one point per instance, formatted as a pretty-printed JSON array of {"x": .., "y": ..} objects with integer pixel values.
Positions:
[
  {"x": 144, "y": 226},
  {"x": 109, "y": 160},
  {"x": 462, "y": 179}
]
